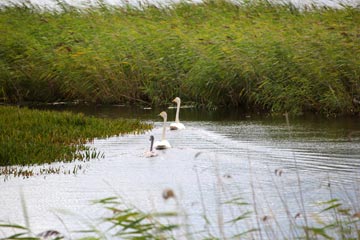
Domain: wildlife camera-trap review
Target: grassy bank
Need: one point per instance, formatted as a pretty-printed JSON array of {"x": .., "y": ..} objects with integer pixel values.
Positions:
[
  {"x": 255, "y": 55},
  {"x": 36, "y": 137}
]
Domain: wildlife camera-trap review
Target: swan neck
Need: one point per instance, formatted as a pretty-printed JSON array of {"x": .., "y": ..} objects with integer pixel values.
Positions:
[
  {"x": 164, "y": 129},
  {"x": 177, "y": 112},
  {"x": 151, "y": 145}
]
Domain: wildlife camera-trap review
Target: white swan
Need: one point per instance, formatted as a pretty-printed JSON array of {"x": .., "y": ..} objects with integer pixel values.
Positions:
[
  {"x": 151, "y": 153},
  {"x": 163, "y": 144},
  {"x": 177, "y": 125}
]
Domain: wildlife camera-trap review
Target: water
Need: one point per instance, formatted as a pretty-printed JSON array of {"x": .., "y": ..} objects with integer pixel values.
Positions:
[{"x": 218, "y": 157}]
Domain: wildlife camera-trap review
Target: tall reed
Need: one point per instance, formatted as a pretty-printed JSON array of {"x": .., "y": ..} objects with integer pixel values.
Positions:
[{"x": 252, "y": 54}]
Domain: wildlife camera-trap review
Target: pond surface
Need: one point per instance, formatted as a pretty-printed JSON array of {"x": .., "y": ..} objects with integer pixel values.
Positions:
[{"x": 220, "y": 156}]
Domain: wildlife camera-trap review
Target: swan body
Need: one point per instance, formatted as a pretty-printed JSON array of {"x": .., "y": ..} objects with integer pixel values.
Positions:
[
  {"x": 177, "y": 125},
  {"x": 151, "y": 153},
  {"x": 163, "y": 144}
]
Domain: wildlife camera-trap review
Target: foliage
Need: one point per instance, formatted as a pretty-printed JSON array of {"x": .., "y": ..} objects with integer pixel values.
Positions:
[
  {"x": 342, "y": 224},
  {"x": 35, "y": 137},
  {"x": 253, "y": 54},
  {"x": 125, "y": 222},
  {"x": 130, "y": 223}
]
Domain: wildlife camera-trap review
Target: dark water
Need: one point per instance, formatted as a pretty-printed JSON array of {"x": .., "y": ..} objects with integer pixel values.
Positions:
[{"x": 221, "y": 155}]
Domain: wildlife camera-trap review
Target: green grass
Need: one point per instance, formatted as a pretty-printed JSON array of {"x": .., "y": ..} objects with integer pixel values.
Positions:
[
  {"x": 255, "y": 55},
  {"x": 36, "y": 137}
]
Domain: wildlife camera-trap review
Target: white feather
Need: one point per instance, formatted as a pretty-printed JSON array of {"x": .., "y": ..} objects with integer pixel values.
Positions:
[
  {"x": 163, "y": 144},
  {"x": 177, "y": 125}
]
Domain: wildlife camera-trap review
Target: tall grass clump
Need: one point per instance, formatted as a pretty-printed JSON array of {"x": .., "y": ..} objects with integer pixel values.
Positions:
[
  {"x": 252, "y": 54},
  {"x": 122, "y": 221},
  {"x": 36, "y": 137}
]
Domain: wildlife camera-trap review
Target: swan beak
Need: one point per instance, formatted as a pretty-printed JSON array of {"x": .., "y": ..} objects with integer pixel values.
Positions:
[{"x": 174, "y": 100}]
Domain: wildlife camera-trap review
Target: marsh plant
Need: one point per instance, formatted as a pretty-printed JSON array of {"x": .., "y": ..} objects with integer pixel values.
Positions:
[
  {"x": 36, "y": 137},
  {"x": 123, "y": 221},
  {"x": 253, "y": 54},
  {"x": 336, "y": 218}
]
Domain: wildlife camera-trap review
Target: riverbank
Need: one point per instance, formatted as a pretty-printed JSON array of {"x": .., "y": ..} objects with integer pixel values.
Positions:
[
  {"x": 227, "y": 177},
  {"x": 37, "y": 137},
  {"x": 255, "y": 55}
]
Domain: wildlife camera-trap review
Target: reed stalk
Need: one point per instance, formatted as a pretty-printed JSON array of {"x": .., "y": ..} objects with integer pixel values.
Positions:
[{"x": 255, "y": 55}]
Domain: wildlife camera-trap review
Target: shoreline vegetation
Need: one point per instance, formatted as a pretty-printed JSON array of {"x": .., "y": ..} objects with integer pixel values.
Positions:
[
  {"x": 253, "y": 55},
  {"x": 33, "y": 134},
  {"x": 29, "y": 137}
]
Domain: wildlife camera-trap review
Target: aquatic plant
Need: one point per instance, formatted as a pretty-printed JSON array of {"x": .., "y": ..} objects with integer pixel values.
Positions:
[
  {"x": 344, "y": 222},
  {"x": 36, "y": 137},
  {"x": 131, "y": 223},
  {"x": 252, "y": 54},
  {"x": 123, "y": 221},
  {"x": 16, "y": 171}
]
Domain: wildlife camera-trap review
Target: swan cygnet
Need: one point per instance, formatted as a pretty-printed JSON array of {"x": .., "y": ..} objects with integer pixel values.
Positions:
[
  {"x": 163, "y": 144},
  {"x": 177, "y": 125},
  {"x": 151, "y": 153}
]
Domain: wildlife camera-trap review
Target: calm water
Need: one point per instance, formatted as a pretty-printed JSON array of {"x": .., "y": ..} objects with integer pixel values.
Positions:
[{"x": 239, "y": 155}]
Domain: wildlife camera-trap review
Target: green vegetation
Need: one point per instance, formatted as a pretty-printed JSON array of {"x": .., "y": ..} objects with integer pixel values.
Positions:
[
  {"x": 256, "y": 55},
  {"x": 36, "y": 137},
  {"x": 126, "y": 222}
]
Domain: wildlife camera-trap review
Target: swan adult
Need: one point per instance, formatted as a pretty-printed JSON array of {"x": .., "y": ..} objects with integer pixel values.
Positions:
[
  {"x": 163, "y": 144},
  {"x": 177, "y": 125},
  {"x": 151, "y": 153}
]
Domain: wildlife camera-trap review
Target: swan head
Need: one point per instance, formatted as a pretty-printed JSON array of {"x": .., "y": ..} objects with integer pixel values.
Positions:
[
  {"x": 163, "y": 115},
  {"x": 151, "y": 138},
  {"x": 176, "y": 100}
]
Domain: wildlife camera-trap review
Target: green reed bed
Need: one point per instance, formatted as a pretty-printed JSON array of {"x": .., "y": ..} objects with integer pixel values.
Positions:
[
  {"x": 36, "y": 137},
  {"x": 256, "y": 54}
]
